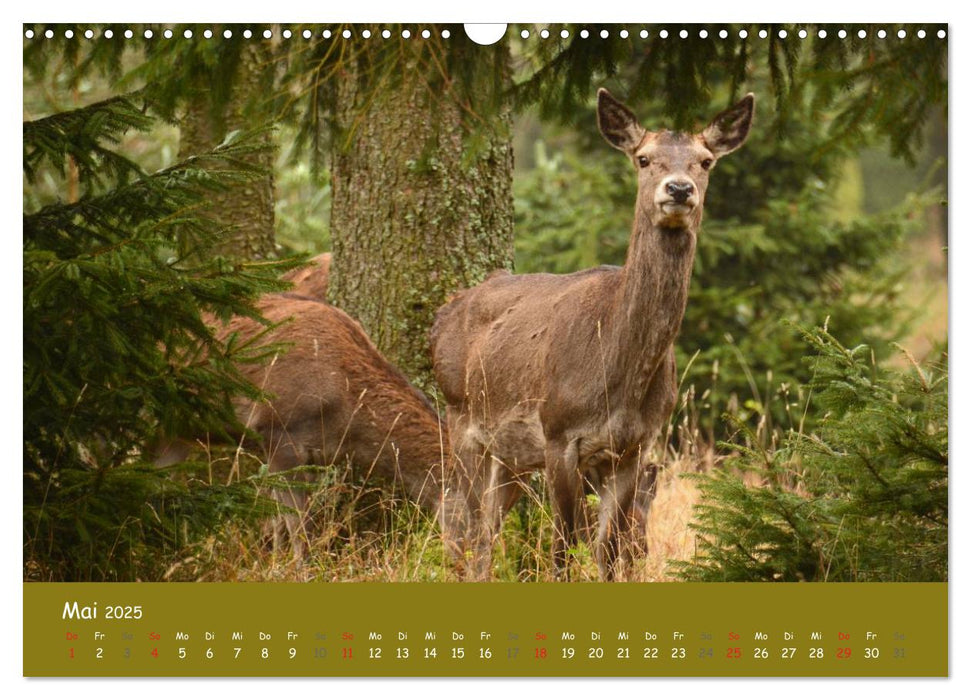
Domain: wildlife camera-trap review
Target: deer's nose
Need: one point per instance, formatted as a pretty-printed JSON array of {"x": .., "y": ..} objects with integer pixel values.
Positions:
[{"x": 679, "y": 191}]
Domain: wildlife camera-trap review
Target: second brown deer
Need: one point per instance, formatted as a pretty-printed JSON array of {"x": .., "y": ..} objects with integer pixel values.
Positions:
[
  {"x": 575, "y": 374},
  {"x": 332, "y": 398}
]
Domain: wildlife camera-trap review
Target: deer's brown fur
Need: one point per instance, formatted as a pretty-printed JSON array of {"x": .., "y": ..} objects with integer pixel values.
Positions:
[{"x": 333, "y": 397}]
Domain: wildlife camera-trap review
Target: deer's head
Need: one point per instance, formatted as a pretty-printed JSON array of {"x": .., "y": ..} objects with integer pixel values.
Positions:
[{"x": 673, "y": 167}]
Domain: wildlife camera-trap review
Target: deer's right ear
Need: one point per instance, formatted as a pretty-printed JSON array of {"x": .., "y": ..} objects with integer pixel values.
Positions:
[{"x": 617, "y": 123}]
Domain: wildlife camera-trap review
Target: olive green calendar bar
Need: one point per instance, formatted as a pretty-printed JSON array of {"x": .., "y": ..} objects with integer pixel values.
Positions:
[{"x": 582, "y": 629}]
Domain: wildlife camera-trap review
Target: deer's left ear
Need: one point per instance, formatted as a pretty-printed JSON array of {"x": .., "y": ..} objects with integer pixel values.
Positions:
[{"x": 730, "y": 128}]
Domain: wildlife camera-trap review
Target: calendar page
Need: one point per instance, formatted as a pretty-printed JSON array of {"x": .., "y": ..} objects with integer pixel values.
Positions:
[{"x": 520, "y": 350}]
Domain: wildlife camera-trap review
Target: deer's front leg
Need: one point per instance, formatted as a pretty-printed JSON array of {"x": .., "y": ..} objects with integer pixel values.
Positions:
[
  {"x": 615, "y": 514},
  {"x": 282, "y": 456},
  {"x": 645, "y": 489},
  {"x": 566, "y": 492}
]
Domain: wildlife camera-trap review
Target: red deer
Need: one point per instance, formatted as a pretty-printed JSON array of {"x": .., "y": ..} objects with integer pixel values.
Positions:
[
  {"x": 312, "y": 279},
  {"x": 333, "y": 397},
  {"x": 576, "y": 373}
]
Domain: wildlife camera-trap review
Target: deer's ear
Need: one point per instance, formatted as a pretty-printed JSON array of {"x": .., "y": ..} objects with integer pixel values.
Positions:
[
  {"x": 730, "y": 128},
  {"x": 617, "y": 123}
]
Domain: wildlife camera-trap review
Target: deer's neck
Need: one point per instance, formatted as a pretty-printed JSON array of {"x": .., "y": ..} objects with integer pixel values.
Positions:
[
  {"x": 419, "y": 445},
  {"x": 653, "y": 293},
  {"x": 425, "y": 485}
]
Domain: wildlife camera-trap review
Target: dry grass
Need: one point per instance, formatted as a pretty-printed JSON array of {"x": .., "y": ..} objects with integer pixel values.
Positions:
[
  {"x": 668, "y": 535},
  {"x": 354, "y": 534}
]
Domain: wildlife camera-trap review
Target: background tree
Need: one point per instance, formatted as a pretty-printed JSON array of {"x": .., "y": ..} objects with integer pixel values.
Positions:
[
  {"x": 210, "y": 88},
  {"x": 211, "y": 113},
  {"x": 421, "y": 173},
  {"x": 214, "y": 88}
]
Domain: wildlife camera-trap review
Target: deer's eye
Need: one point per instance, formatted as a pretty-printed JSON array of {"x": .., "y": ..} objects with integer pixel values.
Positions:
[
  {"x": 643, "y": 161},
  {"x": 706, "y": 163}
]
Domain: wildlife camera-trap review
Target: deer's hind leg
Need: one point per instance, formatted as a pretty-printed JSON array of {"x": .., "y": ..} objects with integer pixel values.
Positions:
[
  {"x": 502, "y": 490},
  {"x": 465, "y": 515}
]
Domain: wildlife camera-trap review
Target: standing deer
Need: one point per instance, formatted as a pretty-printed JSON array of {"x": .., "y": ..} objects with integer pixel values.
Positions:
[{"x": 575, "y": 373}]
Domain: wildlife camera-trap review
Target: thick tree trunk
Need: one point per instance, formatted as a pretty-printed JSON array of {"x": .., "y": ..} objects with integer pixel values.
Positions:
[
  {"x": 422, "y": 203},
  {"x": 247, "y": 210}
]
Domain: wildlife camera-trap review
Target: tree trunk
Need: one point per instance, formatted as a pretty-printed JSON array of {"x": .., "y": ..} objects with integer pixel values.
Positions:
[
  {"x": 422, "y": 199},
  {"x": 246, "y": 210}
]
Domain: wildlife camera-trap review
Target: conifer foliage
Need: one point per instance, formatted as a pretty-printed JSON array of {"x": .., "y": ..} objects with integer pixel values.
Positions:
[
  {"x": 117, "y": 351},
  {"x": 861, "y": 498}
]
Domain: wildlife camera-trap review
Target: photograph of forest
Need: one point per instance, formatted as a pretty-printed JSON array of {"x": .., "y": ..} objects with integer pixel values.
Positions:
[{"x": 379, "y": 303}]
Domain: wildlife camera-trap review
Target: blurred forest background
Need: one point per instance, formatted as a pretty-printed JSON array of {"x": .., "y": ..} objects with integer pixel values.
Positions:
[{"x": 169, "y": 177}]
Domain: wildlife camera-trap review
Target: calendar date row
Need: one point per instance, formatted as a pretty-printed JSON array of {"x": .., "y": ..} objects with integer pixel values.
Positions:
[{"x": 485, "y": 653}]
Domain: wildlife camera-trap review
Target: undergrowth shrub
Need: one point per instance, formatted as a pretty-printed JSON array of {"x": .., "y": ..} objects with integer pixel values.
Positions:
[{"x": 860, "y": 497}]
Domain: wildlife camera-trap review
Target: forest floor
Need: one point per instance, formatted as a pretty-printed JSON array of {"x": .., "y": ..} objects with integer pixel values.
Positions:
[{"x": 364, "y": 536}]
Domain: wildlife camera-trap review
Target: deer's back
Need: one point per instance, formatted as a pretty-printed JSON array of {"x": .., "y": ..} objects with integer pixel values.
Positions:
[{"x": 499, "y": 336}]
